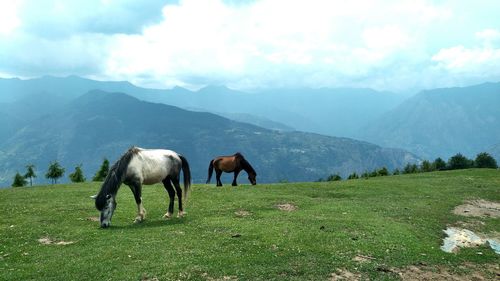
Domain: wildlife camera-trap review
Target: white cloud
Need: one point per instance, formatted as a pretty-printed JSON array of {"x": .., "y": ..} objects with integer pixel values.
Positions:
[
  {"x": 461, "y": 59},
  {"x": 489, "y": 36},
  {"x": 9, "y": 19},
  {"x": 384, "y": 44},
  {"x": 272, "y": 42}
]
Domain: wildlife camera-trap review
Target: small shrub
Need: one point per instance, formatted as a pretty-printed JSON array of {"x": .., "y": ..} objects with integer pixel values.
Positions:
[
  {"x": 383, "y": 172},
  {"x": 77, "y": 175},
  {"x": 335, "y": 177},
  {"x": 353, "y": 176},
  {"x": 19, "y": 180}
]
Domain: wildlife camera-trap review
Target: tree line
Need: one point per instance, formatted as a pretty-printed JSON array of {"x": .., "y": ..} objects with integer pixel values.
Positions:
[
  {"x": 458, "y": 161},
  {"x": 55, "y": 171}
]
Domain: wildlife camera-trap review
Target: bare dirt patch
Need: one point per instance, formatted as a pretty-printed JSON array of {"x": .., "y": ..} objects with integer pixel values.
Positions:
[
  {"x": 479, "y": 208},
  {"x": 93, "y": 218},
  {"x": 49, "y": 241},
  {"x": 223, "y": 278},
  {"x": 362, "y": 258},
  {"x": 242, "y": 213},
  {"x": 146, "y": 278},
  {"x": 344, "y": 275},
  {"x": 467, "y": 272},
  {"x": 287, "y": 207}
]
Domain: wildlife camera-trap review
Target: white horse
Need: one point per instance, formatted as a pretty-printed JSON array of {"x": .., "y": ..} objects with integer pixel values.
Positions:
[{"x": 143, "y": 166}]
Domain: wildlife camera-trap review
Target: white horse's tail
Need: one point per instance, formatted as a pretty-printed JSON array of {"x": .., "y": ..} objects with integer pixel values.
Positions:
[{"x": 187, "y": 175}]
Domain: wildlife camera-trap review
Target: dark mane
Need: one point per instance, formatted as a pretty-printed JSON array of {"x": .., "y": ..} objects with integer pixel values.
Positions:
[
  {"x": 115, "y": 177},
  {"x": 245, "y": 165}
]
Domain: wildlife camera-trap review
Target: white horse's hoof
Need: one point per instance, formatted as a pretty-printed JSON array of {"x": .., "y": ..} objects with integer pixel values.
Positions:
[
  {"x": 167, "y": 216},
  {"x": 139, "y": 219},
  {"x": 181, "y": 214}
]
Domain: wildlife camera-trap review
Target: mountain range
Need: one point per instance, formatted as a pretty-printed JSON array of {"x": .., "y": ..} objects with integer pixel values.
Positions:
[
  {"x": 334, "y": 112},
  {"x": 430, "y": 124},
  {"x": 442, "y": 122},
  {"x": 100, "y": 124}
]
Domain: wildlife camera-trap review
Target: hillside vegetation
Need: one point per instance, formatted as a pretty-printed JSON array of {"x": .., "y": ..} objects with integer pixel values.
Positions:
[
  {"x": 373, "y": 228},
  {"x": 101, "y": 124}
]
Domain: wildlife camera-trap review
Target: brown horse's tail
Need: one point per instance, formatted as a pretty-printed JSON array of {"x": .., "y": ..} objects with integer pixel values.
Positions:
[
  {"x": 187, "y": 175},
  {"x": 210, "y": 170}
]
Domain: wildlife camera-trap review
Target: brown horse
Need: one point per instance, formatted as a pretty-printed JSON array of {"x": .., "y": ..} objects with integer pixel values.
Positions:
[{"x": 228, "y": 164}]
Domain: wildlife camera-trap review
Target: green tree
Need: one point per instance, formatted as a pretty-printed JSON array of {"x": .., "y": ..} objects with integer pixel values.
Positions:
[
  {"x": 426, "y": 166},
  {"x": 410, "y": 169},
  {"x": 101, "y": 174},
  {"x": 353, "y": 176},
  {"x": 396, "y": 172},
  {"x": 383, "y": 172},
  {"x": 335, "y": 177},
  {"x": 484, "y": 160},
  {"x": 458, "y": 161},
  {"x": 77, "y": 175},
  {"x": 30, "y": 173},
  {"x": 19, "y": 180},
  {"x": 55, "y": 171},
  {"x": 439, "y": 164}
]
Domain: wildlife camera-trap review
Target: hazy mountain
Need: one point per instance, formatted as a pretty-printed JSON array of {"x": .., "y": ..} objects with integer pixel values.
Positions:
[
  {"x": 335, "y": 112},
  {"x": 101, "y": 124},
  {"x": 257, "y": 120},
  {"x": 442, "y": 122}
]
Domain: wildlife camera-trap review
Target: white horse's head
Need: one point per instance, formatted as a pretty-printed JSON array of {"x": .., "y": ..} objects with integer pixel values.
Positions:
[{"x": 106, "y": 205}]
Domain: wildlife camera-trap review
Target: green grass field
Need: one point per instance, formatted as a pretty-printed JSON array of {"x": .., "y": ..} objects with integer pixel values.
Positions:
[{"x": 238, "y": 233}]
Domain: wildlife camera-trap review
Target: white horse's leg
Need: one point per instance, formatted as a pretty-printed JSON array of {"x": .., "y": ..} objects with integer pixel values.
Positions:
[
  {"x": 137, "y": 191},
  {"x": 171, "y": 194},
  {"x": 178, "y": 190},
  {"x": 141, "y": 213}
]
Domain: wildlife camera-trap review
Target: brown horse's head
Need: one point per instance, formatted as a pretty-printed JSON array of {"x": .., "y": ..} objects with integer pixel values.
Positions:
[{"x": 252, "y": 178}]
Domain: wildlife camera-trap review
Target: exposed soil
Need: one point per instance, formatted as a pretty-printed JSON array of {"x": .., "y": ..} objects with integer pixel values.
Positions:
[
  {"x": 49, "y": 241},
  {"x": 344, "y": 275},
  {"x": 93, "y": 218},
  {"x": 464, "y": 273},
  {"x": 146, "y": 278},
  {"x": 362, "y": 258},
  {"x": 223, "y": 278},
  {"x": 287, "y": 207},
  {"x": 242, "y": 213},
  {"x": 478, "y": 208}
]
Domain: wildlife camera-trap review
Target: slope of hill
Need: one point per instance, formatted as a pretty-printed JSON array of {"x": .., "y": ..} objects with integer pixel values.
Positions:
[
  {"x": 442, "y": 122},
  {"x": 101, "y": 124},
  {"x": 384, "y": 228}
]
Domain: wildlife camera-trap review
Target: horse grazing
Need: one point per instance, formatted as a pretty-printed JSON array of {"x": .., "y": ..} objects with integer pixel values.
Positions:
[
  {"x": 228, "y": 164},
  {"x": 140, "y": 166}
]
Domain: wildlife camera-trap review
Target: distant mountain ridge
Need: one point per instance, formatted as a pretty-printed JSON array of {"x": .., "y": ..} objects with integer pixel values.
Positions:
[
  {"x": 442, "y": 122},
  {"x": 335, "y": 112},
  {"x": 100, "y": 124},
  {"x": 433, "y": 123}
]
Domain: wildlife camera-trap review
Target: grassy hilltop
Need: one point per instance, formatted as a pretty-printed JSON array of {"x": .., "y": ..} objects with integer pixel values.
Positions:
[{"x": 374, "y": 228}]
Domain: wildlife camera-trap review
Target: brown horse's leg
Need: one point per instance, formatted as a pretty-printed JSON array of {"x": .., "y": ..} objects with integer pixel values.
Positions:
[
  {"x": 218, "y": 173},
  {"x": 236, "y": 172}
]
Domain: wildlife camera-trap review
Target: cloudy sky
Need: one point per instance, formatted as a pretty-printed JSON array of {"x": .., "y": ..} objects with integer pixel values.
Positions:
[{"x": 400, "y": 45}]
